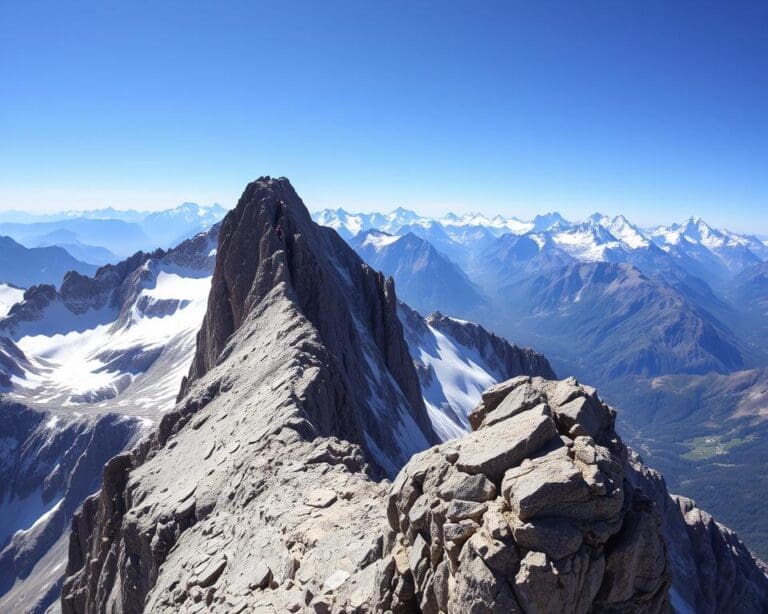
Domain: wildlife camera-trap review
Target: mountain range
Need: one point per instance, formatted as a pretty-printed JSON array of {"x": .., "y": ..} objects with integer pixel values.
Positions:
[
  {"x": 291, "y": 380},
  {"x": 109, "y": 352},
  {"x": 682, "y": 301}
]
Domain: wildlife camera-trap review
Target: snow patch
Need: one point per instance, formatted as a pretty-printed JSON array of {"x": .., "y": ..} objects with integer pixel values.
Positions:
[
  {"x": 9, "y": 296},
  {"x": 379, "y": 241}
]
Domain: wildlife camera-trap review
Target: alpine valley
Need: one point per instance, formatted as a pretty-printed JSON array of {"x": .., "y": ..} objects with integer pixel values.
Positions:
[{"x": 280, "y": 411}]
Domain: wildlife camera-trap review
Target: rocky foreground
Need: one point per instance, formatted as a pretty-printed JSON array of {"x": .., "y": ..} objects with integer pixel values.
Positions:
[
  {"x": 544, "y": 509},
  {"x": 262, "y": 490}
]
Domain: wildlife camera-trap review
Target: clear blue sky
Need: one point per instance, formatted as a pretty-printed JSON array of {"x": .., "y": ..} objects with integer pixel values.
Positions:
[{"x": 655, "y": 109}]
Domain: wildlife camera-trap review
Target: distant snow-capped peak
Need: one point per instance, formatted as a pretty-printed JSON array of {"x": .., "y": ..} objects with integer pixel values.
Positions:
[
  {"x": 622, "y": 229},
  {"x": 592, "y": 239}
]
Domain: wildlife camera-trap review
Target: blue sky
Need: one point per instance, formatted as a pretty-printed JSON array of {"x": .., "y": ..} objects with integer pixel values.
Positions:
[{"x": 658, "y": 110}]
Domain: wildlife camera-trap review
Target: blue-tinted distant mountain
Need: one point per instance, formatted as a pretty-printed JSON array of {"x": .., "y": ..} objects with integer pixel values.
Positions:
[
  {"x": 424, "y": 277},
  {"x": 119, "y": 237},
  {"x": 25, "y": 267},
  {"x": 514, "y": 257},
  {"x": 92, "y": 254},
  {"x": 548, "y": 221},
  {"x": 107, "y": 213},
  {"x": 121, "y": 233},
  {"x": 751, "y": 286},
  {"x": 749, "y": 291}
]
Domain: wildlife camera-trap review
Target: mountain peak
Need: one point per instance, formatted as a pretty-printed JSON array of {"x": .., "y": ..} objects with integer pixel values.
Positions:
[
  {"x": 697, "y": 223},
  {"x": 271, "y": 253},
  {"x": 547, "y": 221}
]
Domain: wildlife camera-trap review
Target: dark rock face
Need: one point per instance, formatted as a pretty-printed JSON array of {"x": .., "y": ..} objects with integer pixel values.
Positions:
[
  {"x": 713, "y": 570},
  {"x": 727, "y": 575},
  {"x": 269, "y": 242}
]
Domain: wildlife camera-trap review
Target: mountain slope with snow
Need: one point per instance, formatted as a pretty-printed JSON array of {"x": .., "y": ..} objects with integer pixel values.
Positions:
[
  {"x": 85, "y": 371},
  {"x": 9, "y": 296},
  {"x": 712, "y": 254},
  {"x": 457, "y": 361}
]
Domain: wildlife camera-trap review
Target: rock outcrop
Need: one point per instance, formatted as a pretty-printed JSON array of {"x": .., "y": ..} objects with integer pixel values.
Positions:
[
  {"x": 532, "y": 512},
  {"x": 544, "y": 509}
]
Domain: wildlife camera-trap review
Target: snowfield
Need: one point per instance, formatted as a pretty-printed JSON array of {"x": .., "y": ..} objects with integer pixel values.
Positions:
[
  {"x": 460, "y": 377},
  {"x": 9, "y": 296},
  {"x": 87, "y": 360}
]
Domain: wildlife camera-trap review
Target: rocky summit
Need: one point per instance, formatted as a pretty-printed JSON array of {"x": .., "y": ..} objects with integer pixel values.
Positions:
[
  {"x": 544, "y": 509},
  {"x": 265, "y": 490}
]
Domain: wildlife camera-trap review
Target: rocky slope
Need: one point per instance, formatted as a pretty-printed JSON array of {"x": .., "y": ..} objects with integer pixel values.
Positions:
[
  {"x": 301, "y": 393},
  {"x": 269, "y": 247}
]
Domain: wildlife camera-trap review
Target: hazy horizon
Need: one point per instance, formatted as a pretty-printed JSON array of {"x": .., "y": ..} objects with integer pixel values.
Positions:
[{"x": 438, "y": 213}]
